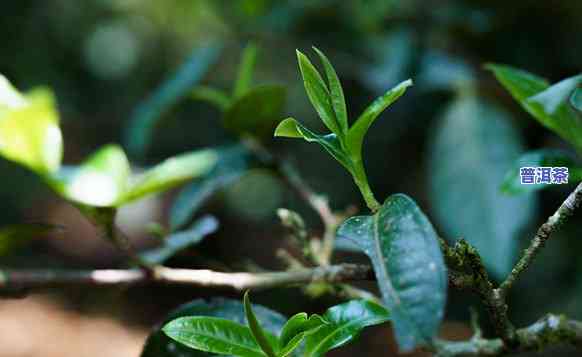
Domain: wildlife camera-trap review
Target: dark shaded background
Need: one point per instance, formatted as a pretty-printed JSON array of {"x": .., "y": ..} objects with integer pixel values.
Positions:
[{"x": 102, "y": 57}]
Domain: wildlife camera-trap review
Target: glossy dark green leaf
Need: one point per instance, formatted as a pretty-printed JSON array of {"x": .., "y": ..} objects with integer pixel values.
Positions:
[
  {"x": 576, "y": 99},
  {"x": 29, "y": 129},
  {"x": 291, "y": 128},
  {"x": 149, "y": 112},
  {"x": 318, "y": 94},
  {"x": 178, "y": 241},
  {"x": 343, "y": 324},
  {"x": 16, "y": 235},
  {"x": 101, "y": 180},
  {"x": 357, "y": 132},
  {"x": 409, "y": 267},
  {"x": 474, "y": 145},
  {"x": 214, "y": 335},
  {"x": 539, "y": 158},
  {"x": 257, "y": 112},
  {"x": 245, "y": 71},
  {"x": 232, "y": 163},
  {"x": 160, "y": 345},
  {"x": 546, "y": 104},
  {"x": 268, "y": 345},
  {"x": 336, "y": 92},
  {"x": 168, "y": 174}
]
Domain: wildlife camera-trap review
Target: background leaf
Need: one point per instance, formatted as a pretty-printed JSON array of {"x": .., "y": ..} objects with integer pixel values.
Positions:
[
  {"x": 148, "y": 113},
  {"x": 16, "y": 235},
  {"x": 539, "y": 158},
  {"x": 576, "y": 99},
  {"x": 179, "y": 241},
  {"x": 160, "y": 345},
  {"x": 344, "y": 324},
  {"x": 409, "y": 267},
  {"x": 215, "y": 335},
  {"x": 169, "y": 173},
  {"x": 473, "y": 147},
  {"x": 245, "y": 71},
  {"x": 257, "y": 112}
]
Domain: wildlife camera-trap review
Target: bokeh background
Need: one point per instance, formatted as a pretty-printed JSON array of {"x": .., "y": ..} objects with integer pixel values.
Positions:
[{"x": 104, "y": 57}]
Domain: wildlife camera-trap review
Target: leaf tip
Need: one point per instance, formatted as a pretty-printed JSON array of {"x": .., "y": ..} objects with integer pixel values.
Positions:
[{"x": 287, "y": 129}]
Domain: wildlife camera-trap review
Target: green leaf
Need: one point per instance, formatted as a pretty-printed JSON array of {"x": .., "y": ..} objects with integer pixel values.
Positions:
[
  {"x": 211, "y": 95},
  {"x": 231, "y": 165},
  {"x": 29, "y": 129},
  {"x": 338, "y": 101},
  {"x": 148, "y": 113},
  {"x": 355, "y": 138},
  {"x": 159, "y": 345},
  {"x": 257, "y": 112},
  {"x": 179, "y": 241},
  {"x": 409, "y": 267},
  {"x": 576, "y": 99},
  {"x": 101, "y": 180},
  {"x": 214, "y": 335},
  {"x": 473, "y": 147},
  {"x": 318, "y": 94},
  {"x": 268, "y": 346},
  {"x": 539, "y": 158},
  {"x": 245, "y": 71},
  {"x": 169, "y": 173},
  {"x": 546, "y": 104},
  {"x": 344, "y": 324},
  {"x": 291, "y": 128},
  {"x": 299, "y": 324},
  {"x": 16, "y": 235}
]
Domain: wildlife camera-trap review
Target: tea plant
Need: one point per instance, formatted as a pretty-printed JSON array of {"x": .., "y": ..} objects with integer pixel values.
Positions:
[{"x": 411, "y": 264}]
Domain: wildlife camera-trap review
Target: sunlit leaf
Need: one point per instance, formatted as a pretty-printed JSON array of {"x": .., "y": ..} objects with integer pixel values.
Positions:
[
  {"x": 474, "y": 145},
  {"x": 539, "y": 158},
  {"x": 148, "y": 113},
  {"x": 178, "y": 241},
  {"x": 343, "y": 324},
  {"x": 160, "y": 345},
  {"x": 296, "y": 329},
  {"x": 245, "y": 71},
  {"x": 267, "y": 344},
  {"x": 257, "y": 112},
  {"x": 409, "y": 267},
  {"x": 101, "y": 180},
  {"x": 546, "y": 104},
  {"x": 214, "y": 335},
  {"x": 169, "y": 173},
  {"x": 29, "y": 129},
  {"x": 16, "y": 235}
]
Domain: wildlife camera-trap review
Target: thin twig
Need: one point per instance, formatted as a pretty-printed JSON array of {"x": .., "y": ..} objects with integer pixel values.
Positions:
[{"x": 565, "y": 210}]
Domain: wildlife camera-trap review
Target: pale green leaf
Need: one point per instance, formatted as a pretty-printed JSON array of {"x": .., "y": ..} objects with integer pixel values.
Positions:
[
  {"x": 409, "y": 267},
  {"x": 355, "y": 138},
  {"x": 211, "y": 95},
  {"x": 268, "y": 345},
  {"x": 557, "y": 95},
  {"x": 214, "y": 335},
  {"x": 343, "y": 324},
  {"x": 576, "y": 99},
  {"x": 245, "y": 71},
  {"x": 473, "y": 148},
  {"x": 169, "y": 173},
  {"x": 318, "y": 94}
]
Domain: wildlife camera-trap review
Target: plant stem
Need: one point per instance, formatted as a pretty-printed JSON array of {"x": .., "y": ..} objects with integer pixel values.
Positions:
[{"x": 362, "y": 182}]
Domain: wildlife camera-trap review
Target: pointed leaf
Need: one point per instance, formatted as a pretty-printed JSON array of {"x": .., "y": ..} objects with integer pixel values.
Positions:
[
  {"x": 338, "y": 101},
  {"x": 291, "y": 128},
  {"x": 99, "y": 181},
  {"x": 179, "y": 241},
  {"x": 539, "y": 158},
  {"x": 473, "y": 147},
  {"x": 29, "y": 129},
  {"x": 245, "y": 71},
  {"x": 214, "y": 335},
  {"x": 355, "y": 138},
  {"x": 576, "y": 99},
  {"x": 257, "y": 112},
  {"x": 257, "y": 331},
  {"x": 170, "y": 173},
  {"x": 552, "y": 98},
  {"x": 409, "y": 267},
  {"x": 18, "y": 234},
  {"x": 148, "y": 113},
  {"x": 318, "y": 94},
  {"x": 160, "y": 345},
  {"x": 299, "y": 324},
  {"x": 550, "y": 109},
  {"x": 344, "y": 324}
]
